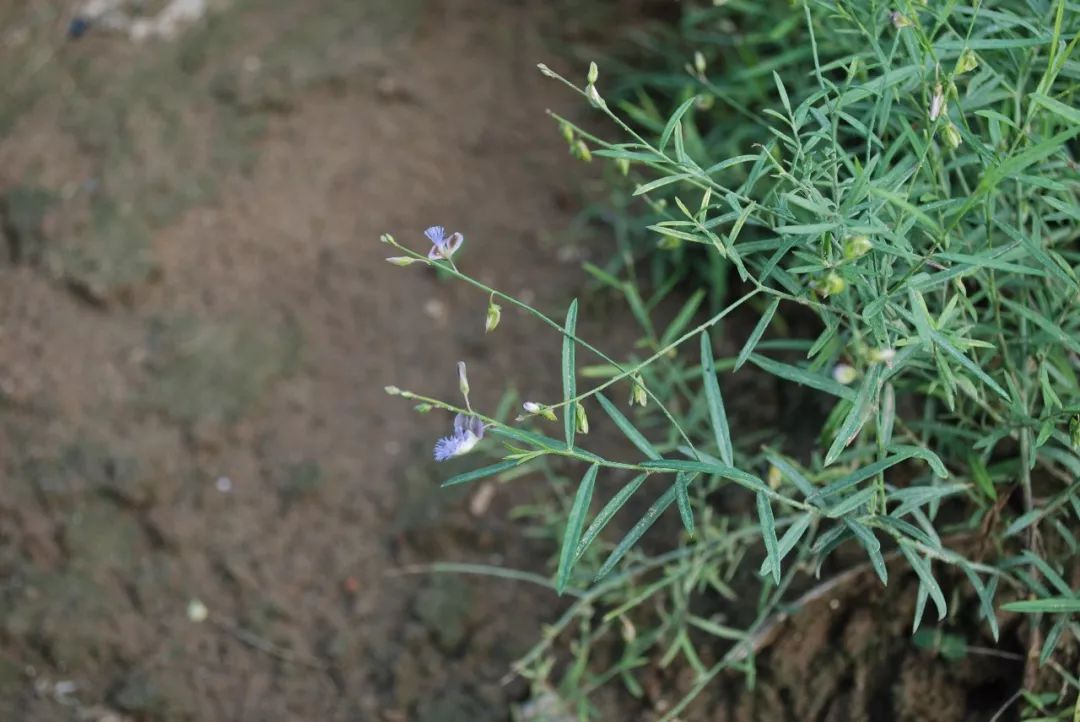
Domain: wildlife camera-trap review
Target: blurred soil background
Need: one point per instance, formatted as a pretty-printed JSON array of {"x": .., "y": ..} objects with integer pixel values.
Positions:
[{"x": 196, "y": 327}]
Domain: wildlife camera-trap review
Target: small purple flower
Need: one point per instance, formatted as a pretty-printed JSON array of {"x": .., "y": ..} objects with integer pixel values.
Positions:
[
  {"x": 445, "y": 246},
  {"x": 468, "y": 430}
]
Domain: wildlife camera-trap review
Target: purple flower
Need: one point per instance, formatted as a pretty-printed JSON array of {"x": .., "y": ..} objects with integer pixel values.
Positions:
[
  {"x": 468, "y": 430},
  {"x": 445, "y": 246}
]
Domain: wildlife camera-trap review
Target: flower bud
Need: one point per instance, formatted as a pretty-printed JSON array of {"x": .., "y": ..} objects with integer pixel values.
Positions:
[
  {"x": 938, "y": 106},
  {"x": 857, "y": 247},
  {"x": 594, "y": 96},
  {"x": 637, "y": 394},
  {"x": 774, "y": 478},
  {"x": 567, "y": 131},
  {"x": 463, "y": 379},
  {"x": 581, "y": 418},
  {"x": 899, "y": 20},
  {"x": 844, "y": 374},
  {"x": 386, "y": 238},
  {"x": 546, "y": 70},
  {"x": 594, "y": 73},
  {"x": 582, "y": 151},
  {"x": 393, "y": 390},
  {"x": 951, "y": 136},
  {"x": 882, "y": 355},
  {"x": 699, "y": 62},
  {"x": 494, "y": 314},
  {"x": 623, "y": 165},
  {"x": 402, "y": 260},
  {"x": 967, "y": 61},
  {"x": 423, "y": 408},
  {"x": 831, "y": 285}
]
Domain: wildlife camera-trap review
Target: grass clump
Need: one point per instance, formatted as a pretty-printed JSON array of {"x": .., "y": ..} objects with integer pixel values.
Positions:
[{"x": 890, "y": 193}]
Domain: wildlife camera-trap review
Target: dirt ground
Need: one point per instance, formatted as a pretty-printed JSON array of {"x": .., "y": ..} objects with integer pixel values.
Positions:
[{"x": 196, "y": 326}]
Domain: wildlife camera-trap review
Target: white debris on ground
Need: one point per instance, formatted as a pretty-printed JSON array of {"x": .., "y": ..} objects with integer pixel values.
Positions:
[{"x": 125, "y": 16}]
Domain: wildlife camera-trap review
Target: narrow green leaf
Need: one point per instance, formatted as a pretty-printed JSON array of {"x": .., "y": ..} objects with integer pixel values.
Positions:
[
  {"x": 768, "y": 533},
  {"x": 755, "y": 336},
  {"x": 944, "y": 344},
  {"x": 851, "y": 503},
  {"x": 480, "y": 473},
  {"x": 717, "y": 414},
  {"x": 859, "y": 413},
  {"x": 926, "y": 576},
  {"x": 787, "y": 542},
  {"x": 1049, "y": 605},
  {"x": 793, "y": 475},
  {"x": 605, "y": 515},
  {"x": 574, "y": 524},
  {"x": 628, "y": 429},
  {"x": 673, "y": 121},
  {"x": 660, "y": 183},
  {"x": 651, "y": 515},
  {"x": 682, "y": 500},
  {"x": 683, "y": 318},
  {"x": 1052, "y": 639},
  {"x": 870, "y": 543},
  {"x": 569, "y": 373},
  {"x": 802, "y": 376}
]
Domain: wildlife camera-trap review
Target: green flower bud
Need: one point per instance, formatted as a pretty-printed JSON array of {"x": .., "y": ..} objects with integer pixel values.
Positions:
[
  {"x": 857, "y": 247},
  {"x": 423, "y": 408},
  {"x": 581, "y": 151},
  {"x": 403, "y": 260},
  {"x": 567, "y": 131},
  {"x": 494, "y": 314},
  {"x": 699, "y": 62},
  {"x": 623, "y": 165},
  {"x": 393, "y": 390},
  {"x": 831, "y": 285},
  {"x": 951, "y": 136},
  {"x": 594, "y": 73},
  {"x": 581, "y": 418},
  {"x": 463, "y": 379},
  {"x": 637, "y": 394},
  {"x": 967, "y": 61}
]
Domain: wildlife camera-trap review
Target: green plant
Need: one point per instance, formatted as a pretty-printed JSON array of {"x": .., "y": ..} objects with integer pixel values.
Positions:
[{"x": 906, "y": 177}]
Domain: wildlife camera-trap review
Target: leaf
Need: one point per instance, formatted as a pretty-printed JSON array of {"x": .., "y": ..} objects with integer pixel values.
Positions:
[
  {"x": 661, "y": 182},
  {"x": 569, "y": 373},
  {"x": 682, "y": 320},
  {"x": 793, "y": 475},
  {"x": 658, "y": 507},
  {"x": 673, "y": 121},
  {"x": 628, "y": 429},
  {"x": 574, "y": 523},
  {"x": 604, "y": 516},
  {"x": 802, "y": 376},
  {"x": 872, "y": 546},
  {"x": 1048, "y": 605},
  {"x": 756, "y": 334},
  {"x": 1052, "y": 638},
  {"x": 768, "y": 533},
  {"x": 851, "y": 503},
  {"x": 783, "y": 92},
  {"x": 682, "y": 500},
  {"x": 728, "y": 472},
  {"x": 860, "y": 411},
  {"x": 787, "y": 542},
  {"x": 480, "y": 473},
  {"x": 922, "y": 569},
  {"x": 717, "y": 414}
]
